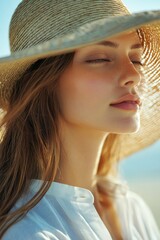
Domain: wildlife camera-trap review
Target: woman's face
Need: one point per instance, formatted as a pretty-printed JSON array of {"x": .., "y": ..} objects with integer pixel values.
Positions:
[{"x": 99, "y": 75}]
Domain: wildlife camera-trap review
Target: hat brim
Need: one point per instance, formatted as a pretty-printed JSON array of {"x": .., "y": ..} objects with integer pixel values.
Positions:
[{"x": 89, "y": 33}]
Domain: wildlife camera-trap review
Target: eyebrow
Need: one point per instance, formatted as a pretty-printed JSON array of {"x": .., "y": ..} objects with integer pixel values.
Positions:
[
  {"x": 137, "y": 45},
  {"x": 116, "y": 45}
]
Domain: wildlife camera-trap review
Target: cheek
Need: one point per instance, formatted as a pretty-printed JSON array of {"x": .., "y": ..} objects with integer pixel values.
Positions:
[{"x": 82, "y": 93}]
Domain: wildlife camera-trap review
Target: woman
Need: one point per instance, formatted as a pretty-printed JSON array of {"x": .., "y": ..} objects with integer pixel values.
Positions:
[{"x": 71, "y": 104}]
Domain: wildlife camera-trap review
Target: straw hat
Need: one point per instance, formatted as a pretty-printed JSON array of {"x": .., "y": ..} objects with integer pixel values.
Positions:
[{"x": 41, "y": 29}]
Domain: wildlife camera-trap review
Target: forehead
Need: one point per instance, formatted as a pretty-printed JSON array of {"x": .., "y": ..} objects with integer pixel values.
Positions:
[
  {"x": 128, "y": 40},
  {"x": 131, "y": 36}
]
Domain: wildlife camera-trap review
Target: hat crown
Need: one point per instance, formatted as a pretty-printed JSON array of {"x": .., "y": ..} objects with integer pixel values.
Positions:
[{"x": 44, "y": 20}]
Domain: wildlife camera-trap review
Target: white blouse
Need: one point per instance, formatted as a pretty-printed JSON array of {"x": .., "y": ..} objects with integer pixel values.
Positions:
[{"x": 67, "y": 213}]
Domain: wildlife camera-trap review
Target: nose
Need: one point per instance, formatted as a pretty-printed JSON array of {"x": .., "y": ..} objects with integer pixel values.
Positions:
[{"x": 130, "y": 75}]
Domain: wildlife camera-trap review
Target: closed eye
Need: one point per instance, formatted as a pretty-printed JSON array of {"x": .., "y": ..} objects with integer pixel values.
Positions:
[
  {"x": 101, "y": 60},
  {"x": 138, "y": 63},
  {"x": 98, "y": 60}
]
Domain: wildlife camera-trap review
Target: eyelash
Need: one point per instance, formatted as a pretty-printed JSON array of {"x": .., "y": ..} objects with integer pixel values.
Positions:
[{"x": 108, "y": 60}]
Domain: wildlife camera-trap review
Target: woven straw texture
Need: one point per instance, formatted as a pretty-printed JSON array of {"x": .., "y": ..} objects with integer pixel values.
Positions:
[{"x": 45, "y": 28}]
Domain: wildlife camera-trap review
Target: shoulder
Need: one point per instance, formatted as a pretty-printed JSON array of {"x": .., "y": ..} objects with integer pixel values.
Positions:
[
  {"x": 28, "y": 231},
  {"x": 139, "y": 215},
  {"x": 40, "y": 223},
  {"x": 138, "y": 205},
  {"x": 131, "y": 201},
  {"x": 136, "y": 216}
]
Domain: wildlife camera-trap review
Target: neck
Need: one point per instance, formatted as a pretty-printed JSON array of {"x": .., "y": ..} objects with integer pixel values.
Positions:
[{"x": 81, "y": 151}]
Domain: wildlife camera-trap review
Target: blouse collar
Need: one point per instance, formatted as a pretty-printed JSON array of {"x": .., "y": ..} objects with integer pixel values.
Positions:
[{"x": 65, "y": 191}]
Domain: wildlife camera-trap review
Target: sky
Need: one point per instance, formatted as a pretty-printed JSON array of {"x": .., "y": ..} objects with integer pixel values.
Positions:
[{"x": 149, "y": 157}]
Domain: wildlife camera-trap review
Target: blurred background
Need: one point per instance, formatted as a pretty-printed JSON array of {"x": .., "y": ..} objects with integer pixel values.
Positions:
[{"x": 140, "y": 170}]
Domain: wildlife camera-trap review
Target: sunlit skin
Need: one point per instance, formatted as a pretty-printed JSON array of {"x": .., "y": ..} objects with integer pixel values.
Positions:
[{"x": 86, "y": 89}]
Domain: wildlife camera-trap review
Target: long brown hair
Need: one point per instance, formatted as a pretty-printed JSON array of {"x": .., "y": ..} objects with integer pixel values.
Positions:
[{"x": 30, "y": 146}]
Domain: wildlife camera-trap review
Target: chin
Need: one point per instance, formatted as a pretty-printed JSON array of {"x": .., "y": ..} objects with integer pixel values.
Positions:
[{"x": 127, "y": 130}]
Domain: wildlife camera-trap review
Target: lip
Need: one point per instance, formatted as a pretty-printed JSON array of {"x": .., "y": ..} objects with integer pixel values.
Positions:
[
  {"x": 128, "y": 99},
  {"x": 128, "y": 105}
]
